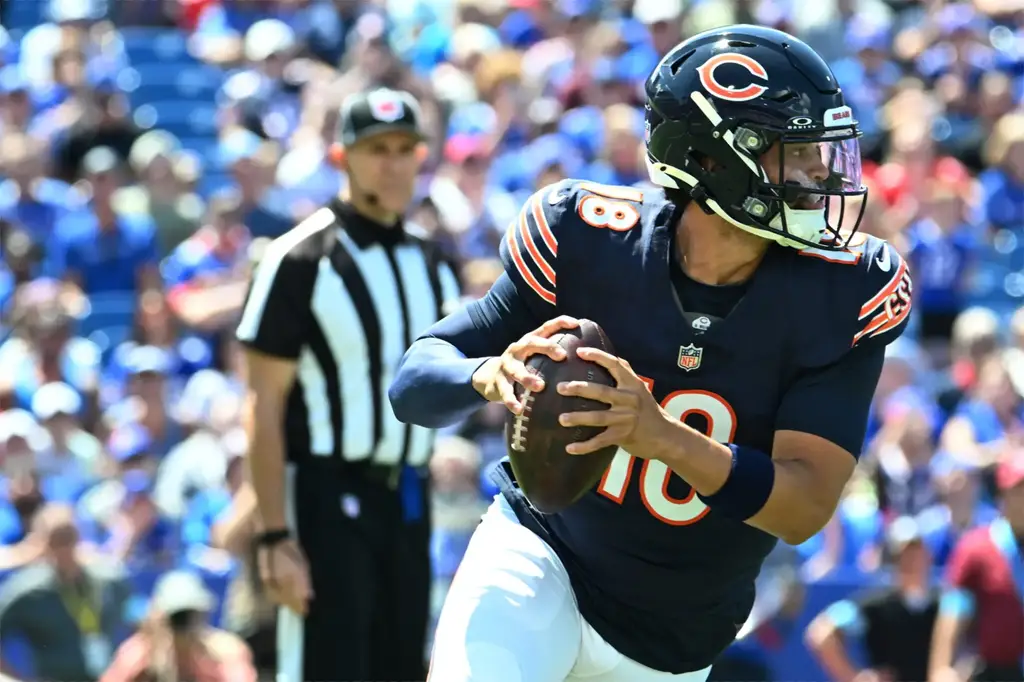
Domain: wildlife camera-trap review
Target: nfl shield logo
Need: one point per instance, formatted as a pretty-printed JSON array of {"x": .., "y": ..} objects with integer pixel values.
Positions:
[
  {"x": 385, "y": 105},
  {"x": 689, "y": 357}
]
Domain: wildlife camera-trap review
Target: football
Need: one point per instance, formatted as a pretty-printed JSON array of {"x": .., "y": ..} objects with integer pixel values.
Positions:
[{"x": 551, "y": 478}]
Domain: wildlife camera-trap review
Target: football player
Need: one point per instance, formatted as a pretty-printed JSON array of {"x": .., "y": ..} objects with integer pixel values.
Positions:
[{"x": 751, "y": 331}]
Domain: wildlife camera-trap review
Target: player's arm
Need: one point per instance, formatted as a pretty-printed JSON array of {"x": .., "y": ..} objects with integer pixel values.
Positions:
[
  {"x": 956, "y": 609},
  {"x": 450, "y": 371},
  {"x": 273, "y": 326},
  {"x": 822, "y": 419},
  {"x": 793, "y": 491},
  {"x": 825, "y": 638}
]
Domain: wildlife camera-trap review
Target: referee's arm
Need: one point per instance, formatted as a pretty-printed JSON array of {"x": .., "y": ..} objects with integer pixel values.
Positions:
[{"x": 272, "y": 329}]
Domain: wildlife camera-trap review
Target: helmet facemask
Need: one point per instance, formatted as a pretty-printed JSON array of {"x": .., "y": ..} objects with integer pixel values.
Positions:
[{"x": 793, "y": 209}]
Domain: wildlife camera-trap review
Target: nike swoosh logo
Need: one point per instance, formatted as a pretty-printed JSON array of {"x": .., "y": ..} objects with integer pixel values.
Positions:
[{"x": 884, "y": 260}]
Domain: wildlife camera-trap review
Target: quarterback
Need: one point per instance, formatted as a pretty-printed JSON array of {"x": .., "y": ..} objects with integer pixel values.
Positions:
[{"x": 751, "y": 332}]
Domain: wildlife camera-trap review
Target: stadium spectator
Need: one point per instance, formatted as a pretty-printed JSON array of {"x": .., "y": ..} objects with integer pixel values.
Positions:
[
  {"x": 987, "y": 418},
  {"x": 160, "y": 191},
  {"x": 130, "y": 447},
  {"x": 94, "y": 116},
  {"x": 941, "y": 247},
  {"x": 894, "y": 624},
  {"x": 24, "y": 500},
  {"x": 262, "y": 97},
  {"x": 177, "y": 643},
  {"x": 73, "y": 452},
  {"x": 16, "y": 106},
  {"x": 207, "y": 275},
  {"x": 251, "y": 161},
  {"x": 70, "y": 614},
  {"x": 1002, "y": 184},
  {"x": 137, "y": 535},
  {"x": 962, "y": 505},
  {"x": 101, "y": 251},
  {"x": 902, "y": 451},
  {"x": 28, "y": 198},
  {"x": 42, "y": 347}
]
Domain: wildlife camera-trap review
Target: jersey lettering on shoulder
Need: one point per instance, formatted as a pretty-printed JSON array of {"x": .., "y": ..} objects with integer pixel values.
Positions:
[
  {"x": 880, "y": 292},
  {"x": 886, "y": 310},
  {"x": 529, "y": 250}
]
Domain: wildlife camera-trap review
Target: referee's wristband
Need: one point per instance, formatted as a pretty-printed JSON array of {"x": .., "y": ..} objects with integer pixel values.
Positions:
[{"x": 271, "y": 538}]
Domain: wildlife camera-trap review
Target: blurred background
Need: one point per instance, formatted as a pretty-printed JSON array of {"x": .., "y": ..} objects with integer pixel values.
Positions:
[{"x": 150, "y": 148}]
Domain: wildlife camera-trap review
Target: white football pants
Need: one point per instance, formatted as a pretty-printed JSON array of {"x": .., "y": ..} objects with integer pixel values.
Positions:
[{"x": 511, "y": 616}]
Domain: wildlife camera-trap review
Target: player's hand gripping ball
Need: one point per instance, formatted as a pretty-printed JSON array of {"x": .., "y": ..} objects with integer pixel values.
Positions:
[
  {"x": 635, "y": 421},
  {"x": 549, "y": 476}
]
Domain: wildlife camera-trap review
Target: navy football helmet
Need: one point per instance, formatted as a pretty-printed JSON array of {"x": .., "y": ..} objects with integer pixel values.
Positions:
[{"x": 722, "y": 100}]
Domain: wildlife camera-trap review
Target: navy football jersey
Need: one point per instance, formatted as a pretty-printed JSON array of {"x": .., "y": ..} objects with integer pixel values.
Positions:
[{"x": 662, "y": 577}]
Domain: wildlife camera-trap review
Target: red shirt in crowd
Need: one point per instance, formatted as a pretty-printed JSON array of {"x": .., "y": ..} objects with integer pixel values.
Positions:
[
  {"x": 981, "y": 567},
  {"x": 190, "y": 11}
]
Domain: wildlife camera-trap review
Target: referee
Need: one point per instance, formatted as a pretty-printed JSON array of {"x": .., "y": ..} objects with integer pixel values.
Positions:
[{"x": 340, "y": 483}]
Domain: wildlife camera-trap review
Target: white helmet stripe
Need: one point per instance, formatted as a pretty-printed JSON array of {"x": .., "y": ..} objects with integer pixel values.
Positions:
[{"x": 708, "y": 109}]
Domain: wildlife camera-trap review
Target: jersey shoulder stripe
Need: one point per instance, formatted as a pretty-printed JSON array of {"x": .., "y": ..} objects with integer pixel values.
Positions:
[{"x": 529, "y": 250}]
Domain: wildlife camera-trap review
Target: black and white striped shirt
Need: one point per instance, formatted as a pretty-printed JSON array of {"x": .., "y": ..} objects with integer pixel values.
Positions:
[{"x": 344, "y": 298}]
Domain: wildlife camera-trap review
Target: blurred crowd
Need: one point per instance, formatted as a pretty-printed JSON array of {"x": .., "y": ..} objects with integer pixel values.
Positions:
[{"x": 150, "y": 148}]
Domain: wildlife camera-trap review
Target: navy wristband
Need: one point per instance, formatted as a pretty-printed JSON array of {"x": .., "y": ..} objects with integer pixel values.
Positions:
[{"x": 748, "y": 487}]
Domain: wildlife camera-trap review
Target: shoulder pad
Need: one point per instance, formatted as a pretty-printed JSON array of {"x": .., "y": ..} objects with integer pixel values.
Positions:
[
  {"x": 529, "y": 250},
  {"x": 872, "y": 285}
]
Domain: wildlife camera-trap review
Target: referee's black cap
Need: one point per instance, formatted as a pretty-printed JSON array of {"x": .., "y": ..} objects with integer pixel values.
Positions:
[{"x": 378, "y": 111}]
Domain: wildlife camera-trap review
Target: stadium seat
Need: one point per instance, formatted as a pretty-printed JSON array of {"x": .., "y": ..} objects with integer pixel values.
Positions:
[
  {"x": 183, "y": 118},
  {"x": 149, "y": 82},
  {"x": 23, "y": 15},
  {"x": 154, "y": 44},
  {"x": 206, "y": 147}
]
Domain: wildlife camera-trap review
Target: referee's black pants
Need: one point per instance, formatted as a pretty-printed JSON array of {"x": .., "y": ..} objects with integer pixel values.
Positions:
[{"x": 370, "y": 570}]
